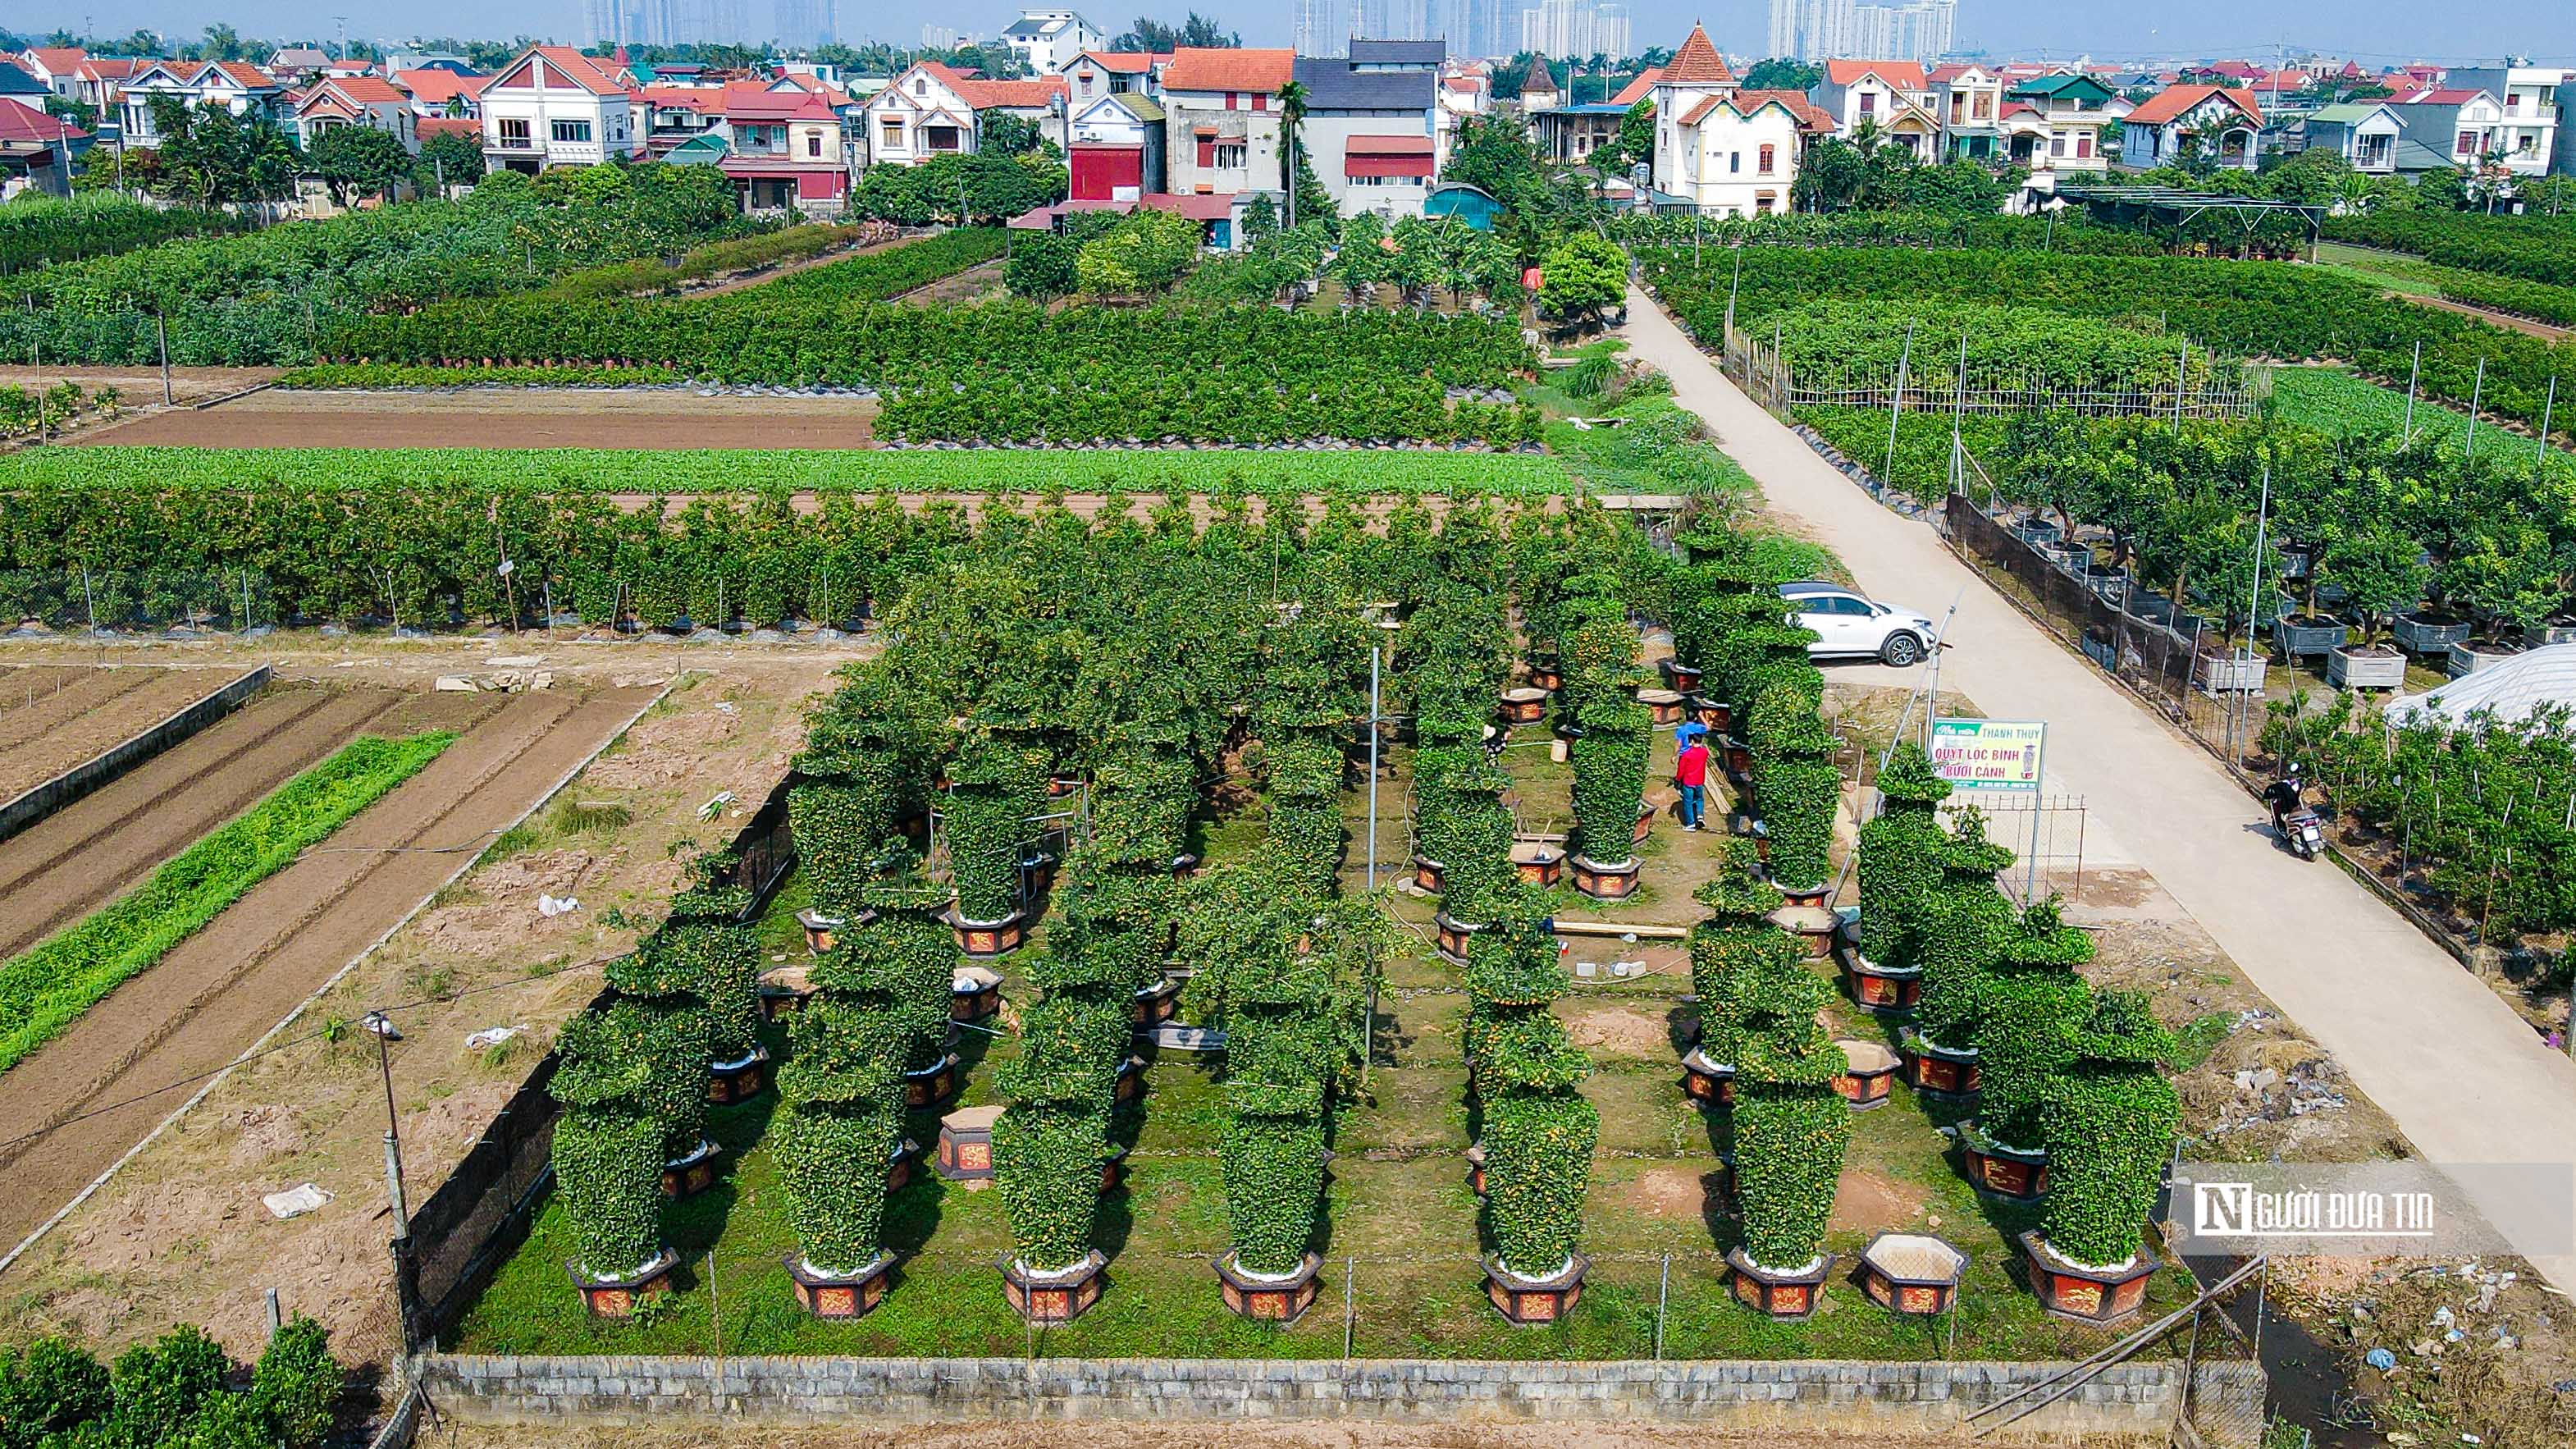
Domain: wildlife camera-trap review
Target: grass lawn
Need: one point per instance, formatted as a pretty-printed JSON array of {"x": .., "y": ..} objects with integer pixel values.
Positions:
[
  {"x": 1402, "y": 1234},
  {"x": 2336, "y": 401}
]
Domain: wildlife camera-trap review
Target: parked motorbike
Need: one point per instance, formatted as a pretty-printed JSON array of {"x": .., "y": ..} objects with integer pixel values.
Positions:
[{"x": 2305, "y": 833}]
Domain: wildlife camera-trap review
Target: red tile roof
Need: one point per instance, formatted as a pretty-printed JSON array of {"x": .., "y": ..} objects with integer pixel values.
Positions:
[
  {"x": 1943, "y": 75},
  {"x": 1635, "y": 90},
  {"x": 2174, "y": 102},
  {"x": 582, "y": 70},
  {"x": 984, "y": 95},
  {"x": 438, "y": 87},
  {"x": 1263, "y": 71},
  {"x": 22, "y": 122},
  {"x": 1390, "y": 145},
  {"x": 756, "y": 103},
  {"x": 1811, "y": 117},
  {"x": 428, "y": 126},
  {"x": 708, "y": 100},
  {"x": 1905, "y": 75},
  {"x": 1120, "y": 62},
  {"x": 59, "y": 59},
  {"x": 1697, "y": 63},
  {"x": 369, "y": 90},
  {"x": 2452, "y": 97},
  {"x": 111, "y": 67}
]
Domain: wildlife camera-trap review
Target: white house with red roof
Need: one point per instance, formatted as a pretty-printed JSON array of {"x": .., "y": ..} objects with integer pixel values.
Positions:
[
  {"x": 1095, "y": 73},
  {"x": 362, "y": 100},
  {"x": 1968, "y": 101},
  {"x": 2181, "y": 120},
  {"x": 784, "y": 148},
  {"x": 1893, "y": 95},
  {"x": 2457, "y": 126},
  {"x": 1221, "y": 120},
  {"x": 57, "y": 66},
  {"x": 1722, "y": 149},
  {"x": 438, "y": 91},
  {"x": 99, "y": 80},
  {"x": 931, "y": 110},
  {"x": 236, "y": 85},
  {"x": 554, "y": 106}
]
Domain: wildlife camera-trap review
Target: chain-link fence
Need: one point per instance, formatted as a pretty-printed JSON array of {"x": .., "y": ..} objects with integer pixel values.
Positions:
[{"x": 227, "y": 600}]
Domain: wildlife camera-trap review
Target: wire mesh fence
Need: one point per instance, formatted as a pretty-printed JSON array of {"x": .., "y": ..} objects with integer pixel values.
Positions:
[
  {"x": 77, "y": 599},
  {"x": 1765, "y": 370}
]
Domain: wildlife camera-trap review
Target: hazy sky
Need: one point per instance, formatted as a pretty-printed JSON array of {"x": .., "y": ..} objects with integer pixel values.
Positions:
[{"x": 2376, "y": 30}]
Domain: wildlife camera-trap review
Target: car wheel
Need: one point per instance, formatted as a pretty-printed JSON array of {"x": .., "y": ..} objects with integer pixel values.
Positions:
[{"x": 1901, "y": 651}]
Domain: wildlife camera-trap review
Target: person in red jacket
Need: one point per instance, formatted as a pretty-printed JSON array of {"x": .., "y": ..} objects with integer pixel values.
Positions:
[{"x": 1690, "y": 772}]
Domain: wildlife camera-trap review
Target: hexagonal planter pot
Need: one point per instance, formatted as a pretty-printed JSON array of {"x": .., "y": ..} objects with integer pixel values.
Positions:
[
  {"x": 784, "y": 990},
  {"x": 1476, "y": 1168},
  {"x": 1155, "y": 1004},
  {"x": 1813, "y": 925},
  {"x": 1911, "y": 1273},
  {"x": 1871, "y": 1076},
  {"x": 839, "y": 1295},
  {"x": 1665, "y": 705},
  {"x": 1524, "y": 704},
  {"x": 988, "y": 938},
  {"x": 1612, "y": 882},
  {"x": 2015, "y": 1174},
  {"x": 1545, "y": 676},
  {"x": 1270, "y": 1298},
  {"x": 738, "y": 1081},
  {"x": 1715, "y": 713},
  {"x": 1131, "y": 1081},
  {"x": 1681, "y": 677},
  {"x": 931, "y": 1085},
  {"x": 1429, "y": 874},
  {"x": 966, "y": 1145},
  {"x": 1453, "y": 936},
  {"x": 1939, "y": 1072},
  {"x": 899, "y": 1163},
  {"x": 2086, "y": 1291},
  {"x": 688, "y": 1176},
  {"x": 1059, "y": 1296},
  {"x": 1707, "y": 1081},
  {"x": 617, "y": 1297},
  {"x": 1537, "y": 863},
  {"x": 1782, "y": 1293},
  {"x": 1886, "y": 990},
  {"x": 822, "y": 932},
  {"x": 1529, "y": 1301},
  {"x": 974, "y": 993}
]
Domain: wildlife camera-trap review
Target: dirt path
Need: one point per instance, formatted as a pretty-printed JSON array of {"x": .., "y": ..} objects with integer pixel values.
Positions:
[
  {"x": 89, "y": 715},
  {"x": 789, "y": 269},
  {"x": 654, "y": 419},
  {"x": 2525, "y": 325},
  {"x": 70, "y": 863},
  {"x": 2463, "y": 1078},
  {"x": 218, "y": 991}
]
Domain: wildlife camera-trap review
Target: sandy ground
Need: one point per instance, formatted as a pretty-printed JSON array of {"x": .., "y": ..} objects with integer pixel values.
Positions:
[
  {"x": 2464, "y": 1080},
  {"x": 506, "y": 418},
  {"x": 2525, "y": 325},
  {"x": 54, "y": 720},
  {"x": 181, "y": 1235}
]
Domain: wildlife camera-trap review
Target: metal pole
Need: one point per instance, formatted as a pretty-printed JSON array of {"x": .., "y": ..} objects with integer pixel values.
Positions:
[
  {"x": 2477, "y": 394},
  {"x": 1959, "y": 415},
  {"x": 161, "y": 326},
  {"x": 1896, "y": 406},
  {"x": 1733, "y": 287},
  {"x": 2414, "y": 374},
  {"x": 383, "y": 1030},
  {"x": 1663, "y": 1294},
  {"x": 276, "y": 1313},
  {"x": 2254, "y": 592},
  {"x": 2030, "y": 867},
  {"x": 1375, "y": 653},
  {"x": 2182, "y": 372},
  {"x": 2540, "y": 449},
  {"x": 1350, "y": 1271}
]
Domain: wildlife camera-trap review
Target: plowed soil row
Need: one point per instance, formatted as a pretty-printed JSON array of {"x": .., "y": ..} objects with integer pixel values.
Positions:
[
  {"x": 532, "y": 417},
  {"x": 68, "y": 864},
  {"x": 98, "y": 710},
  {"x": 80, "y": 1102}
]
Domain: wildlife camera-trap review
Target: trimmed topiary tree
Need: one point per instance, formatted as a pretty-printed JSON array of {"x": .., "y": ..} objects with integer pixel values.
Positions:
[
  {"x": 706, "y": 935},
  {"x": 669, "y": 1031},
  {"x": 1471, "y": 833},
  {"x": 1796, "y": 788},
  {"x": 864, "y": 768},
  {"x": 1609, "y": 760},
  {"x": 1539, "y": 1131},
  {"x": 1304, "y": 821},
  {"x": 1966, "y": 920},
  {"x": 995, "y": 788},
  {"x": 837, "y": 1137},
  {"x": 2034, "y": 1005},
  {"x": 1901, "y": 854},
  {"x": 610, "y": 1143},
  {"x": 1048, "y": 1146},
  {"x": 1735, "y": 948},
  {"x": 2109, "y": 1117},
  {"x": 1791, "y": 1127}
]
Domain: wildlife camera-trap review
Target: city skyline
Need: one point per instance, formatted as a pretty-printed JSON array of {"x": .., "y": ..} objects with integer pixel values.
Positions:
[{"x": 2379, "y": 32}]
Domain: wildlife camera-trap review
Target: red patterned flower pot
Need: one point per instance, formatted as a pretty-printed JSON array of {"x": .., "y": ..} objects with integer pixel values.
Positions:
[
  {"x": 1537, "y": 863},
  {"x": 931, "y": 1085},
  {"x": 1054, "y": 1297},
  {"x": 1131, "y": 1080},
  {"x": 1156, "y": 1003},
  {"x": 1887, "y": 990},
  {"x": 1281, "y": 1298},
  {"x": 1806, "y": 895},
  {"x": 1911, "y": 1273},
  {"x": 1528, "y": 1301},
  {"x": 738, "y": 1081},
  {"x": 1613, "y": 882},
  {"x": 1937, "y": 1071},
  {"x": 2083, "y": 1290},
  {"x": 2018, "y": 1174},
  {"x": 1737, "y": 758},
  {"x": 784, "y": 990},
  {"x": 966, "y": 1145},
  {"x": 1781, "y": 1293},
  {"x": 1814, "y": 926},
  {"x": 1714, "y": 713},
  {"x": 899, "y": 1163},
  {"x": 1707, "y": 1081},
  {"x": 617, "y": 1297},
  {"x": 1870, "y": 1077},
  {"x": 1454, "y": 936},
  {"x": 1113, "y": 1171},
  {"x": 1427, "y": 873},
  {"x": 1645, "y": 823},
  {"x": 974, "y": 993},
  {"x": 1476, "y": 1168},
  {"x": 688, "y": 1176},
  {"x": 1682, "y": 677},
  {"x": 1545, "y": 677},
  {"x": 822, "y": 932},
  {"x": 1664, "y": 704},
  {"x": 1526, "y": 704},
  {"x": 839, "y": 1295},
  {"x": 988, "y": 938}
]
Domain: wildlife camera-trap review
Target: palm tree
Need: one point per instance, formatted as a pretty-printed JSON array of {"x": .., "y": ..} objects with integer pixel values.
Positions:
[{"x": 1292, "y": 114}]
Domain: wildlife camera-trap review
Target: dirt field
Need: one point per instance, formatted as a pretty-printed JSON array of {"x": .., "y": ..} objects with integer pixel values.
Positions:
[
  {"x": 67, "y": 864},
  {"x": 507, "y": 418},
  {"x": 214, "y": 994},
  {"x": 52, "y": 719},
  {"x": 180, "y": 1233},
  {"x": 975, "y": 284}
]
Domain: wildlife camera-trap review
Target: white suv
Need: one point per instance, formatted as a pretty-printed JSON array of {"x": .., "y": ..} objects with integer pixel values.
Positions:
[{"x": 1848, "y": 626}]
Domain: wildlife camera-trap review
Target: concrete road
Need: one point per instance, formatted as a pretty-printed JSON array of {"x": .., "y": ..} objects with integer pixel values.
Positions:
[{"x": 2464, "y": 1078}]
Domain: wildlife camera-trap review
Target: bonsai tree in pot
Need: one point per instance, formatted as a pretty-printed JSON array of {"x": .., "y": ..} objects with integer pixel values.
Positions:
[
  {"x": 864, "y": 769},
  {"x": 2110, "y": 1118},
  {"x": 1598, "y": 646},
  {"x": 1796, "y": 788},
  {"x": 1965, "y": 918},
  {"x": 608, "y": 1152},
  {"x": 1737, "y": 946},
  {"x": 1901, "y": 851},
  {"x": 1539, "y": 1131},
  {"x": 1791, "y": 1128},
  {"x": 1466, "y": 828},
  {"x": 2029, "y": 1003},
  {"x": 706, "y": 935},
  {"x": 1280, "y": 1054},
  {"x": 1304, "y": 823},
  {"x": 1048, "y": 1149},
  {"x": 670, "y": 1022},
  {"x": 841, "y": 1130},
  {"x": 1609, "y": 784},
  {"x": 995, "y": 789}
]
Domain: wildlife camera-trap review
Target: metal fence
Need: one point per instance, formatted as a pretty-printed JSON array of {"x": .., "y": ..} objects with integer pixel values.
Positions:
[
  {"x": 70, "y": 599},
  {"x": 1763, "y": 369},
  {"x": 2046, "y": 834}
]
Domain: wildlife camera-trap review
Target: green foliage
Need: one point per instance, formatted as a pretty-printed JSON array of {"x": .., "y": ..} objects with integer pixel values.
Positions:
[
  {"x": 1790, "y": 1125},
  {"x": 1538, "y": 1171},
  {"x": 47, "y": 987},
  {"x": 1145, "y": 253},
  {"x": 995, "y": 789},
  {"x": 39, "y": 230},
  {"x": 1586, "y": 275},
  {"x": 2110, "y": 1122},
  {"x": 1966, "y": 918},
  {"x": 1609, "y": 760},
  {"x": 1042, "y": 266},
  {"x": 1796, "y": 789},
  {"x": 1735, "y": 948},
  {"x": 843, "y": 1120},
  {"x": 1303, "y": 830},
  {"x": 1046, "y": 1161},
  {"x": 2026, "y": 1036},
  {"x": 162, "y": 1388},
  {"x": 2534, "y": 248},
  {"x": 725, "y": 956},
  {"x": 1789, "y": 1145},
  {"x": 1273, "y": 1155},
  {"x": 613, "y": 1079},
  {"x": 1900, "y": 857},
  {"x": 890, "y": 273},
  {"x": 296, "y": 1386},
  {"x": 356, "y": 161},
  {"x": 980, "y": 188},
  {"x": 48, "y": 1387}
]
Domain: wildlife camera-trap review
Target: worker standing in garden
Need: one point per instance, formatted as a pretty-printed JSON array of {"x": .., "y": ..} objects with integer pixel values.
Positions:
[{"x": 1690, "y": 772}]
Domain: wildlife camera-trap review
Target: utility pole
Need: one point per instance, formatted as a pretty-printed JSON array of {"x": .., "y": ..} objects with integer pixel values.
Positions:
[
  {"x": 2414, "y": 374},
  {"x": 1376, "y": 652},
  {"x": 2540, "y": 449},
  {"x": 2477, "y": 394},
  {"x": 1896, "y": 406}
]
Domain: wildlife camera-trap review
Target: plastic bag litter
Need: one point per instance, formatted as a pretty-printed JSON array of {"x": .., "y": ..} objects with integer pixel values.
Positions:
[
  {"x": 295, "y": 1202},
  {"x": 551, "y": 907},
  {"x": 491, "y": 1036}
]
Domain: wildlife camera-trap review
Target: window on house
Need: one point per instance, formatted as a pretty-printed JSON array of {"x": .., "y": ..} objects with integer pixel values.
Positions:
[
  {"x": 940, "y": 138},
  {"x": 1734, "y": 162},
  {"x": 920, "y": 87},
  {"x": 1229, "y": 156},
  {"x": 1085, "y": 78},
  {"x": 1260, "y": 102},
  {"x": 1769, "y": 153},
  {"x": 2467, "y": 144},
  {"x": 514, "y": 131},
  {"x": 814, "y": 143},
  {"x": 1985, "y": 106},
  {"x": 1869, "y": 103},
  {"x": 2057, "y": 145},
  {"x": 572, "y": 130},
  {"x": 892, "y": 134}
]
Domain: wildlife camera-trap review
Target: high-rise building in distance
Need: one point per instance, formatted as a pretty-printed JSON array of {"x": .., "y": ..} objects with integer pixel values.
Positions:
[{"x": 1844, "y": 29}]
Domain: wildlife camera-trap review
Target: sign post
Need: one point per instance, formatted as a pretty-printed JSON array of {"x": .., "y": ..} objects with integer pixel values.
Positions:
[{"x": 1995, "y": 754}]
